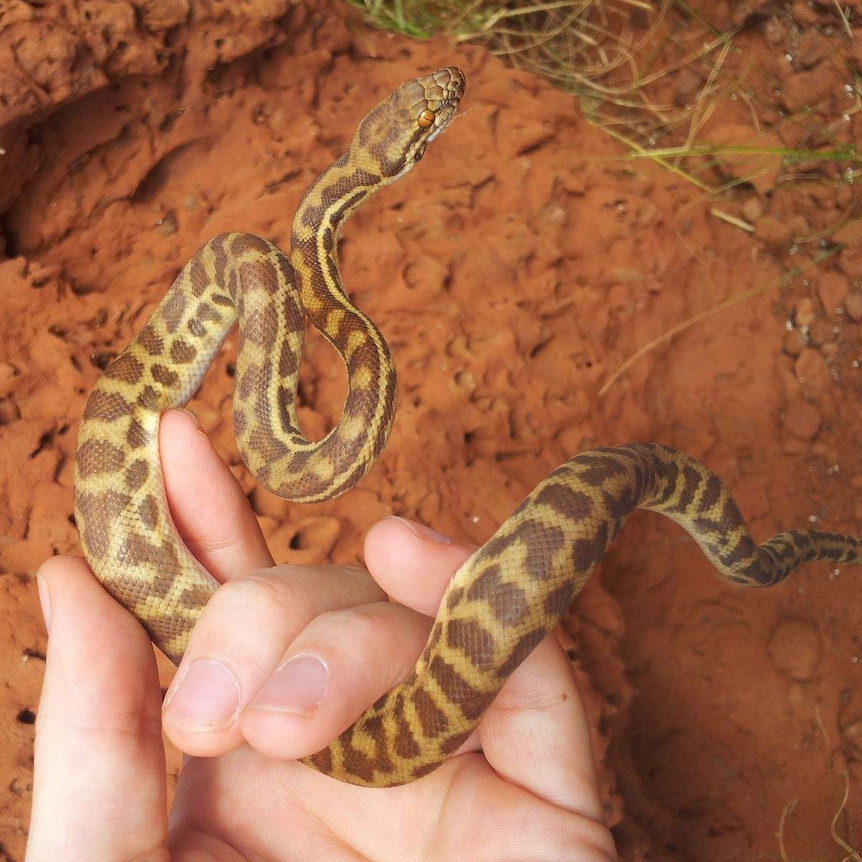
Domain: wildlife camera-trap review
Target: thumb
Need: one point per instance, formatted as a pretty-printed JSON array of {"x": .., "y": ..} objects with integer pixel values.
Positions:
[{"x": 99, "y": 763}]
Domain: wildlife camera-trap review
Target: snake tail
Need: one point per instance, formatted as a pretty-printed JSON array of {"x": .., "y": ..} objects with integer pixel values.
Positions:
[{"x": 515, "y": 589}]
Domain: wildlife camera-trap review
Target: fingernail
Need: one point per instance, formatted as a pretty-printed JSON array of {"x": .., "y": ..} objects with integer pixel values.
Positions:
[
  {"x": 189, "y": 413},
  {"x": 297, "y": 686},
  {"x": 44, "y": 600},
  {"x": 424, "y": 532},
  {"x": 206, "y": 698}
]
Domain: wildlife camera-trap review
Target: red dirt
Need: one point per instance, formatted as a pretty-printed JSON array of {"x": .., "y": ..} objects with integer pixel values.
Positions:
[{"x": 512, "y": 273}]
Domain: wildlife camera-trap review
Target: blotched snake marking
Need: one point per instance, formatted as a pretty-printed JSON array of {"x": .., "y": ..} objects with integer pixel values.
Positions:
[{"x": 504, "y": 599}]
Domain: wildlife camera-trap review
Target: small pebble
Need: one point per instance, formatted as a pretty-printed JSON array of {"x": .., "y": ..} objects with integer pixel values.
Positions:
[
  {"x": 805, "y": 311},
  {"x": 802, "y": 419},
  {"x": 795, "y": 649},
  {"x": 832, "y": 290},
  {"x": 853, "y": 305},
  {"x": 812, "y": 372}
]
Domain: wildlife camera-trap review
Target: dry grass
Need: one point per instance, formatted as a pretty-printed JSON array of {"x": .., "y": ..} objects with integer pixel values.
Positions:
[
  {"x": 840, "y": 817},
  {"x": 746, "y": 295},
  {"x": 622, "y": 58}
]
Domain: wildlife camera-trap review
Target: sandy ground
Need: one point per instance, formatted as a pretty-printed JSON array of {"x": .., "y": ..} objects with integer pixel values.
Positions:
[{"x": 512, "y": 274}]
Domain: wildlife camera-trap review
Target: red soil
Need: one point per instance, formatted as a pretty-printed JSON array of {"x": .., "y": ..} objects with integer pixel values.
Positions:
[{"x": 512, "y": 274}]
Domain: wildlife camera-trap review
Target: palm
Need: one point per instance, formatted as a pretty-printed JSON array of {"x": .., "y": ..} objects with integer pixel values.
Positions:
[{"x": 292, "y": 813}]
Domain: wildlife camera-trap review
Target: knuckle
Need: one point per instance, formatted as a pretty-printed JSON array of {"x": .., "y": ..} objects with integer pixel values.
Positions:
[{"x": 261, "y": 594}]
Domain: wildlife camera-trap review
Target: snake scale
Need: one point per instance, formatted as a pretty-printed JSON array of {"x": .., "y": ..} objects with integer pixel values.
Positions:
[{"x": 504, "y": 599}]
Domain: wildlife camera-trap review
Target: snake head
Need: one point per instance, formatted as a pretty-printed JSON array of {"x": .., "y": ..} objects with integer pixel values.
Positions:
[{"x": 394, "y": 135}]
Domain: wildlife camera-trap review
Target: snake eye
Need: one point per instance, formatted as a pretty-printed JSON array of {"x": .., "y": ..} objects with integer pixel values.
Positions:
[{"x": 426, "y": 119}]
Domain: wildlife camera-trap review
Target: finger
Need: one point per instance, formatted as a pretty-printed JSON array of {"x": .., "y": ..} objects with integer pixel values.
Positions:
[
  {"x": 207, "y": 502},
  {"x": 338, "y": 666},
  {"x": 99, "y": 765},
  {"x": 412, "y": 562},
  {"x": 536, "y": 733},
  {"x": 242, "y": 638},
  {"x": 247, "y": 632}
]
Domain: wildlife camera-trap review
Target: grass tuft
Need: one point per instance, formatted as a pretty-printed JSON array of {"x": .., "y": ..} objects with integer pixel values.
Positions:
[{"x": 652, "y": 75}]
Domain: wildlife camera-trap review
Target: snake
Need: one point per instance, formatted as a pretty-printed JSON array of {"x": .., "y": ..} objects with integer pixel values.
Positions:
[{"x": 507, "y": 597}]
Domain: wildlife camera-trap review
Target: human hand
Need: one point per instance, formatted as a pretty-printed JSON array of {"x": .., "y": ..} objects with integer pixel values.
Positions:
[{"x": 522, "y": 787}]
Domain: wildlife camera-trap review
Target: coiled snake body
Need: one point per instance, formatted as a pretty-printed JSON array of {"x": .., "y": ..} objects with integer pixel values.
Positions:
[{"x": 504, "y": 599}]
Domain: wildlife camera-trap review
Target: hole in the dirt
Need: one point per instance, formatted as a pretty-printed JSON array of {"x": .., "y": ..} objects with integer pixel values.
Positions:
[
  {"x": 103, "y": 359},
  {"x": 539, "y": 348},
  {"x": 218, "y": 72},
  {"x": 299, "y": 541},
  {"x": 10, "y": 239},
  {"x": 159, "y": 174},
  {"x": 26, "y": 716},
  {"x": 45, "y": 442},
  {"x": 168, "y": 122}
]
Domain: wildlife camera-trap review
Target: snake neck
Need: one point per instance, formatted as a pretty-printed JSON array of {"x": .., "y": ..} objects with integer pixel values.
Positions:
[{"x": 343, "y": 187}]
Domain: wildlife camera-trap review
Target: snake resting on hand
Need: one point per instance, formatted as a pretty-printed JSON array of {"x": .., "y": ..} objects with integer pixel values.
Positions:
[{"x": 505, "y": 599}]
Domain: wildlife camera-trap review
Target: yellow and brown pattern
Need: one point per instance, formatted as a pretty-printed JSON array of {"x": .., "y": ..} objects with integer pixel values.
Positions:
[
  {"x": 513, "y": 591},
  {"x": 124, "y": 523},
  {"x": 507, "y": 597}
]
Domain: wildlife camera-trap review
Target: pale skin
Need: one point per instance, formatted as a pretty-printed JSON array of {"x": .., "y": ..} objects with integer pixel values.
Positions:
[{"x": 522, "y": 788}]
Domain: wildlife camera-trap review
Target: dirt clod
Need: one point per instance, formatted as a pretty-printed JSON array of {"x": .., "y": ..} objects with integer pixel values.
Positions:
[{"x": 795, "y": 648}]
